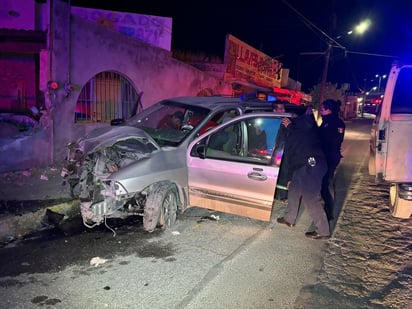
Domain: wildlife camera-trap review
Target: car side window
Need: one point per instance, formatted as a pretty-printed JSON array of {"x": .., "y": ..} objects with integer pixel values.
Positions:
[
  {"x": 251, "y": 141},
  {"x": 219, "y": 118},
  {"x": 225, "y": 142}
]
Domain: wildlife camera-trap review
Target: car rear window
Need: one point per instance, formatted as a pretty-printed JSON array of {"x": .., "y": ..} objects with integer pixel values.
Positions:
[{"x": 402, "y": 95}]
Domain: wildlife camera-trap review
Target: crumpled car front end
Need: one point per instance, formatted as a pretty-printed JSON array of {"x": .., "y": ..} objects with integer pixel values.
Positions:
[{"x": 93, "y": 162}]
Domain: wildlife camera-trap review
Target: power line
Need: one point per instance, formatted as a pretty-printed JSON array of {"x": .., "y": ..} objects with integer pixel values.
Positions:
[
  {"x": 372, "y": 54},
  {"x": 312, "y": 26},
  {"x": 331, "y": 43}
]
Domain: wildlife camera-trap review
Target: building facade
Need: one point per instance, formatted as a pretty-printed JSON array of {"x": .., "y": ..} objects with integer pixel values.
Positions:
[{"x": 52, "y": 87}]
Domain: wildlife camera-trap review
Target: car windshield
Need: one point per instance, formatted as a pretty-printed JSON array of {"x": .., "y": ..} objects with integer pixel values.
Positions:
[{"x": 168, "y": 122}]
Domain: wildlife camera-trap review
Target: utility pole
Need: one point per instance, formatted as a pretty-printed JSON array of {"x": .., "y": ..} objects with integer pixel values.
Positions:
[{"x": 325, "y": 74}]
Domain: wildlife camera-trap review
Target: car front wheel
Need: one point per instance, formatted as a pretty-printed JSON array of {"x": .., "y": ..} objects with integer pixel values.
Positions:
[{"x": 160, "y": 208}]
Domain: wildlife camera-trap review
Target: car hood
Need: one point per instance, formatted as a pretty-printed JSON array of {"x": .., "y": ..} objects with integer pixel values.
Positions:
[{"x": 108, "y": 136}]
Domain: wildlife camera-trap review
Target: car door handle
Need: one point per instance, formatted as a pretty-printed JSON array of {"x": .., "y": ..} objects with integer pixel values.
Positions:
[{"x": 257, "y": 176}]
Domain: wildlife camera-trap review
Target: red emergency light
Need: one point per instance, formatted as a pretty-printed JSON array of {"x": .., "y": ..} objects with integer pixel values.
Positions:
[{"x": 53, "y": 85}]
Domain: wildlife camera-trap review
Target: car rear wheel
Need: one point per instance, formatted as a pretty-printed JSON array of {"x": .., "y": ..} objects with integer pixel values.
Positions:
[
  {"x": 399, "y": 207},
  {"x": 160, "y": 208}
]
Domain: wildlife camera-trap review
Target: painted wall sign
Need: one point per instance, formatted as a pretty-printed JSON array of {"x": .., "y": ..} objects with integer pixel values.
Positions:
[
  {"x": 247, "y": 63},
  {"x": 155, "y": 30}
]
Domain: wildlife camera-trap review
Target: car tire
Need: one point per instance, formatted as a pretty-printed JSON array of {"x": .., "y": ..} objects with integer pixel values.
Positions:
[
  {"x": 160, "y": 208},
  {"x": 400, "y": 208}
]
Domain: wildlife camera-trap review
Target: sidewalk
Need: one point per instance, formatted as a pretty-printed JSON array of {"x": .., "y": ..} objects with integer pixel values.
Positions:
[
  {"x": 24, "y": 198},
  {"x": 33, "y": 184}
]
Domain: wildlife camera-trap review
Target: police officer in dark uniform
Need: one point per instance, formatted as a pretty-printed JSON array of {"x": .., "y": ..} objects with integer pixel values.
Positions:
[
  {"x": 306, "y": 168},
  {"x": 332, "y": 132}
]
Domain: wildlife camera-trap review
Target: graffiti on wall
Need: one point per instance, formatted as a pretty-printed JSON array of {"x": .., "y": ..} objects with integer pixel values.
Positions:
[{"x": 155, "y": 30}]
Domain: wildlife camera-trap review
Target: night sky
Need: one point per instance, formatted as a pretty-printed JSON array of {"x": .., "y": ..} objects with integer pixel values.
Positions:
[{"x": 286, "y": 28}]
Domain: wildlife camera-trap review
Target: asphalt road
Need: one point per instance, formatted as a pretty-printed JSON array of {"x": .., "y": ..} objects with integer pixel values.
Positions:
[{"x": 232, "y": 262}]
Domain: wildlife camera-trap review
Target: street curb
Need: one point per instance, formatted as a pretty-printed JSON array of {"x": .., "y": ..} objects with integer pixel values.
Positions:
[{"x": 18, "y": 226}]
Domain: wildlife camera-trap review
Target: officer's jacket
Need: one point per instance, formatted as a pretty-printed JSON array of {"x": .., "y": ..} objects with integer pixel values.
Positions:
[
  {"x": 303, "y": 142},
  {"x": 332, "y": 132}
]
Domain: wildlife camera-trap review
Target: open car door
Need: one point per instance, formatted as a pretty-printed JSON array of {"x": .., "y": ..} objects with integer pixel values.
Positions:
[{"x": 234, "y": 167}]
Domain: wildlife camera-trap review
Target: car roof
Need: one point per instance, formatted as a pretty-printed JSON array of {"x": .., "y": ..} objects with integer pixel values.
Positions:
[
  {"x": 211, "y": 102},
  {"x": 216, "y": 102}
]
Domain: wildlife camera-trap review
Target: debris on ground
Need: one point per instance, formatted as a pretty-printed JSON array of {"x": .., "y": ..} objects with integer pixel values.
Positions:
[
  {"x": 211, "y": 217},
  {"x": 96, "y": 261}
]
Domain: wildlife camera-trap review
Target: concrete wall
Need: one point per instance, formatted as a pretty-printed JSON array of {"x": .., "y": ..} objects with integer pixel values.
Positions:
[
  {"x": 80, "y": 49},
  {"x": 17, "y": 14},
  {"x": 23, "y": 14}
]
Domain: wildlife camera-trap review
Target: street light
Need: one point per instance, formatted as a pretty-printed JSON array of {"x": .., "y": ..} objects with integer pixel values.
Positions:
[
  {"x": 331, "y": 43},
  {"x": 363, "y": 26},
  {"x": 359, "y": 29},
  {"x": 380, "y": 77}
]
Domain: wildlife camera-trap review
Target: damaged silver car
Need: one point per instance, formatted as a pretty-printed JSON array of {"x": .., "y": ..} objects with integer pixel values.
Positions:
[{"x": 141, "y": 166}]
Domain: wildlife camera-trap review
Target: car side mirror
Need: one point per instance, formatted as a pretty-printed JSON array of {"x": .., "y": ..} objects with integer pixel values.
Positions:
[{"x": 200, "y": 150}]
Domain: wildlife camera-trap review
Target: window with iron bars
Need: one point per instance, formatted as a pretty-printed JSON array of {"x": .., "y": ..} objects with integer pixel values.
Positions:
[{"x": 107, "y": 96}]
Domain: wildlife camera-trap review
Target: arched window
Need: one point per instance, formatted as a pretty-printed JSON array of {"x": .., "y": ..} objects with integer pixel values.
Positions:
[{"x": 107, "y": 96}]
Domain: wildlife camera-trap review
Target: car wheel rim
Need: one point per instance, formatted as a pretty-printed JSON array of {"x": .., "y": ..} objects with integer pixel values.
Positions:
[{"x": 169, "y": 208}]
